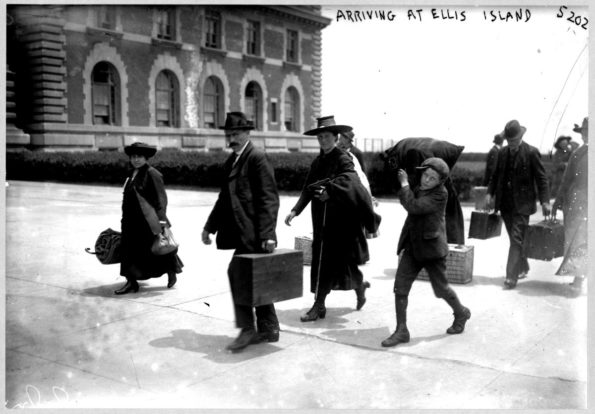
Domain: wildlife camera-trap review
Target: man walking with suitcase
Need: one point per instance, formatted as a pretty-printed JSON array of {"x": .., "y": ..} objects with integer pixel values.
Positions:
[{"x": 519, "y": 171}]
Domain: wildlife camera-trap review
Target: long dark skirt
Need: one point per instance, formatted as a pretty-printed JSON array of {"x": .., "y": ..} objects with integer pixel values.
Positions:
[{"x": 137, "y": 260}]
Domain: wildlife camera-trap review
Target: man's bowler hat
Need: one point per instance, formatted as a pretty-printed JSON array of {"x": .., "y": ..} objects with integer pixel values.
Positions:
[
  {"x": 237, "y": 120},
  {"x": 513, "y": 130}
]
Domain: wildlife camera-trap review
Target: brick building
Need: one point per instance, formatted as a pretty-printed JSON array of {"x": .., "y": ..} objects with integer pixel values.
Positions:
[{"x": 102, "y": 76}]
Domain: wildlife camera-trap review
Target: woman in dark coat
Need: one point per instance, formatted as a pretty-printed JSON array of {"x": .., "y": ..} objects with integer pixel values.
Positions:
[
  {"x": 138, "y": 263},
  {"x": 341, "y": 209}
]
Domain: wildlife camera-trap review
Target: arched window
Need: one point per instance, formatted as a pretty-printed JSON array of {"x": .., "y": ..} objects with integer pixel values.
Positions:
[
  {"x": 213, "y": 103},
  {"x": 253, "y": 104},
  {"x": 106, "y": 94},
  {"x": 292, "y": 108},
  {"x": 166, "y": 99}
]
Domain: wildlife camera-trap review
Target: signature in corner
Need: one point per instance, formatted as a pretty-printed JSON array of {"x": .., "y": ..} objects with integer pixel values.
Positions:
[{"x": 34, "y": 397}]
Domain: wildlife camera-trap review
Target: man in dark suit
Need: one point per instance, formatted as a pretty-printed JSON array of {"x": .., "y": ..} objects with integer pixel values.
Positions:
[
  {"x": 423, "y": 244},
  {"x": 492, "y": 158},
  {"x": 244, "y": 218},
  {"x": 518, "y": 172}
]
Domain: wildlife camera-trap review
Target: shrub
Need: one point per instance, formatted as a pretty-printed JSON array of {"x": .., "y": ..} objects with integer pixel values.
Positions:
[{"x": 200, "y": 169}]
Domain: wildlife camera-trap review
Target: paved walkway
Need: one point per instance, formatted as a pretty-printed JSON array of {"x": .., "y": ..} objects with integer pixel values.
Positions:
[{"x": 71, "y": 343}]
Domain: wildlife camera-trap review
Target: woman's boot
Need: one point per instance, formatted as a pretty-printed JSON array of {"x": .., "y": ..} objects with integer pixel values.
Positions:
[
  {"x": 130, "y": 286},
  {"x": 360, "y": 292},
  {"x": 318, "y": 310},
  {"x": 401, "y": 334},
  {"x": 171, "y": 279}
]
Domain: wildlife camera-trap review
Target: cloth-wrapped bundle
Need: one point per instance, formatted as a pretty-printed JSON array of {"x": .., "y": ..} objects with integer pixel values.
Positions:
[{"x": 107, "y": 247}]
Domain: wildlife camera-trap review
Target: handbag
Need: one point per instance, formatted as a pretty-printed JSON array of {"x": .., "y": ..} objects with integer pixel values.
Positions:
[
  {"x": 107, "y": 247},
  {"x": 164, "y": 243}
]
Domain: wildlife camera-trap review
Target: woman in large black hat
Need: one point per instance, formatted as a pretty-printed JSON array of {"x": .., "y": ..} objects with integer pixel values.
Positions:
[
  {"x": 144, "y": 185},
  {"x": 341, "y": 209}
]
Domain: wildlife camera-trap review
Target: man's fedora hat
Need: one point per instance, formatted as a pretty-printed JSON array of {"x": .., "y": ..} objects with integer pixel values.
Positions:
[
  {"x": 584, "y": 126},
  {"x": 348, "y": 135},
  {"x": 437, "y": 164},
  {"x": 513, "y": 130},
  {"x": 327, "y": 123},
  {"x": 237, "y": 120},
  {"x": 140, "y": 148}
]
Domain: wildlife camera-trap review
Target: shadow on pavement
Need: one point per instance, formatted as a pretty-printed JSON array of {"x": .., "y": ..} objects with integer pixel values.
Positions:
[
  {"x": 107, "y": 291},
  {"x": 212, "y": 346},
  {"x": 333, "y": 319},
  {"x": 543, "y": 288}
]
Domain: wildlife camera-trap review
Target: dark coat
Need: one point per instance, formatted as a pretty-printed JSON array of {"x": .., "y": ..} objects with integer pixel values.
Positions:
[
  {"x": 246, "y": 210},
  {"x": 137, "y": 237},
  {"x": 529, "y": 179},
  {"x": 338, "y": 232},
  {"x": 491, "y": 161},
  {"x": 424, "y": 231}
]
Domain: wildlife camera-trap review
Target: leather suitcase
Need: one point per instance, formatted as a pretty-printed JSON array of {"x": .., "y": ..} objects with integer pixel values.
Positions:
[
  {"x": 265, "y": 278},
  {"x": 544, "y": 240},
  {"x": 459, "y": 265},
  {"x": 484, "y": 225}
]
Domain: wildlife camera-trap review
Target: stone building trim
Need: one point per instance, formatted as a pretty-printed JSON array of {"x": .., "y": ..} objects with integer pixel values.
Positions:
[
  {"x": 253, "y": 74},
  {"x": 213, "y": 68},
  {"x": 166, "y": 61},
  {"x": 292, "y": 80},
  {"x": 104, "y": 52}
]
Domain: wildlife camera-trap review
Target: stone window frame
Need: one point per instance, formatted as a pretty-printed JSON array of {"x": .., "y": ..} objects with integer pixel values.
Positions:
[
  {"x": 292, "y": 80},
  {"x": 220, "y": 37},
  {"x": 254, "y": 74},
  {"x": 175, "y": 14},
  {"x": 104, "y": 52},
  {"x": 94, "y": 15},
  {"x": 220, "y": 112},
  {"x": 213, "y": 68},
  {"x": 173, "y": 89},
  {"x": 295, "y": 115},
  {"x": 274, "y": 109},
  {"x": 298, "y": 59},
  {"x": 259, "y": 37},
  {"x": 166, "y": 61},
  {"x": 114, "y": 112}
]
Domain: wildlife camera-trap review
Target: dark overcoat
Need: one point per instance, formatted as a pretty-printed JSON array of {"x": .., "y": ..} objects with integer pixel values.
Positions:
[
  {"x": 424, "y": 231},
  {"x": 529, "y": 179},
  {"x": 245, "y": 212},
  {"x": 491, "y": 161},
  {"x": 338, "y": 224},
  {"x": 137, "y": 237}
]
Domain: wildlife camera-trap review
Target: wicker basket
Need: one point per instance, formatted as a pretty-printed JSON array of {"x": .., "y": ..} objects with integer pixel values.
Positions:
[
  {"x": 459, "y": 265},
  {"x": 305, "y": 244}
]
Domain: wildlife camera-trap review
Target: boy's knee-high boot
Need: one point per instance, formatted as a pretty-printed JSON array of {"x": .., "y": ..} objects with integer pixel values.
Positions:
[
  {"x": 401, "y": 334},
  {"x": 461, "y": 313}
]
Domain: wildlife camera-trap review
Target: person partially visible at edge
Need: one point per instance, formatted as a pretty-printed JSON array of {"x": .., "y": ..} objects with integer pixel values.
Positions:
[
  {"x": 245, "y": 218},
  {"x": 519, "y": 172},
  {"x": 564, "y": 147},
  {"x": 346, "y": 143},
  {"x": 138, "y": 263},
  {"x": 572, "y": 200},
  {"x": 492, "y": 158},
  {"x": 341, "y": 210},
  {"x": 423, "y": 245}
]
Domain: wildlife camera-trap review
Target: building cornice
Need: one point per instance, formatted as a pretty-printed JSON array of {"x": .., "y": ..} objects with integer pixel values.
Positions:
[{"x": 301, "y": 14}]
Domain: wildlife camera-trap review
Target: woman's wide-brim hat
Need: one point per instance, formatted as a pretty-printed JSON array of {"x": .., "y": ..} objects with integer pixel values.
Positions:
[
  {"x": 560, "y": 139},
  {"x": 513, "y": 130},
  {"x": 584, "y": 126},
  {"x": 237, "y": 121},
  {"x": 327, "y": 123},
  {"x": 140, "y": 148}
]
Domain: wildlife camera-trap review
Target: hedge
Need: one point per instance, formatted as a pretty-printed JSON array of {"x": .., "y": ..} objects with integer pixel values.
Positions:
[{"x": 204, "y": 169}]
